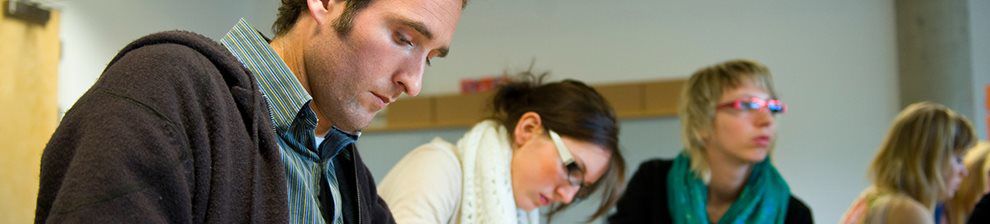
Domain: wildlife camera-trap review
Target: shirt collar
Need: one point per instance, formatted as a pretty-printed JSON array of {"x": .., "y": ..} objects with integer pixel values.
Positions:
[
  {"x": 284, "y": 93},
  {"x": 287, "y": 100},
  {"x": 335, "y": 142}
]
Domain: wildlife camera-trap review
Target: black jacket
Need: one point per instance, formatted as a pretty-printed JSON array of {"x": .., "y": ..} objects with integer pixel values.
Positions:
[
  {"x": 358, "y": 192},
  {"x": 981, "y": 214},
  {"x": 645, "y": 200},
  {"x": 175, "y": 130}
]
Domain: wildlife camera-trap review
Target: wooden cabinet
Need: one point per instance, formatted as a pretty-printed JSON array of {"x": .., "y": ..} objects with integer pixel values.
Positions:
[{"x": 630, "y": 100}]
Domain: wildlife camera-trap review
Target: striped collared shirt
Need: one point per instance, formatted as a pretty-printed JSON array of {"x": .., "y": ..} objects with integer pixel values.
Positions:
[{"x": 305, "y": 159}]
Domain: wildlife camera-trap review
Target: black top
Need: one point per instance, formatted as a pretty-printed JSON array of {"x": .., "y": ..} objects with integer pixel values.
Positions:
[
  {"x": 645, "y": 202},
  {"x": 981, "y": 214},
  {"x": 176, "y": 130}
]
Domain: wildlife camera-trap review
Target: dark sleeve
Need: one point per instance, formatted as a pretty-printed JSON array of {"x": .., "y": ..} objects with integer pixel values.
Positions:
[
  {"x": 114, "y": 158},
  {"x": 981, "y": 214},
  {"x": 380, "y": 211},
  {"x": 798, "y": 212},
  {"x": 645, "y": 198},
  {"x": 377, "y": 210},
  {"x": 383, "y": 214}
]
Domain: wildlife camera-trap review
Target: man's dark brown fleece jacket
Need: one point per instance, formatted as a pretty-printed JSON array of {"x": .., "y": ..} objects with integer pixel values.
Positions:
[{"x": 176, "y": 131}]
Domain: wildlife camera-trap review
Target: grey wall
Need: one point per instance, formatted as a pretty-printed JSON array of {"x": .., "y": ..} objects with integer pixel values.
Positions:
[
  {"x": 979, "y": 23},
  {"x": 934, "y": 53},
  {"x": 942, "y": 55}
]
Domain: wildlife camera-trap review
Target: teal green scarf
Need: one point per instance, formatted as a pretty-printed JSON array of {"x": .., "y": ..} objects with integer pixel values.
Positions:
[{"x": 763, "y": 199}]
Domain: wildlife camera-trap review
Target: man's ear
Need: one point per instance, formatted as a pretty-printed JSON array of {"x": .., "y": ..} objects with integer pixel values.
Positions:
[
  {"x": 320, "y": 9},
  {"x": 528, "y": 127}
]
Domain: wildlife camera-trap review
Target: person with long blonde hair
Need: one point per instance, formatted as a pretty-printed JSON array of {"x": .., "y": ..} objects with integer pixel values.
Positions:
[
  {"x": 972, "y": 187},
  {"x": 919, "y": 164}
]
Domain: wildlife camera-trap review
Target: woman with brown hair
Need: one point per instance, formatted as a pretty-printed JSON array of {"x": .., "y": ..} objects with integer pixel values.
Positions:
[
  {"x": 919, "y": 164},
  {"x": 545, "y": 145}
]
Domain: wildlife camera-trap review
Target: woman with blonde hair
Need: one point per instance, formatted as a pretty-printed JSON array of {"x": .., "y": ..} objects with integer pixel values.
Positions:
[
  {"x": 972, "y": 187},
  {"x": 919, "y": 164},
  {"x": 724, "y": 174}
]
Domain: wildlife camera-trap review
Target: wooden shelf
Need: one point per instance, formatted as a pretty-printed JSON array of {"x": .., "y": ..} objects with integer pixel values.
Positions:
[{"x": 630, "y": 100}]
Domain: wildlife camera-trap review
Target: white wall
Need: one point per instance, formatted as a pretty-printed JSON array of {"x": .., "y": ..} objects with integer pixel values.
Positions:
[
  {"x": 834, "y": 61},
  {"x": 94, "y": 30}
]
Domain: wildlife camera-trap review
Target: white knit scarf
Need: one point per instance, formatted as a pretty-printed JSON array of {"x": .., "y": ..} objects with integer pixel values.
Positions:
[{"x": 486, "y": 155}]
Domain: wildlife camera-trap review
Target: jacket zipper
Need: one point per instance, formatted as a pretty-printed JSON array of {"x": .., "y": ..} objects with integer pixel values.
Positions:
[{"x": 357, "y": 182}]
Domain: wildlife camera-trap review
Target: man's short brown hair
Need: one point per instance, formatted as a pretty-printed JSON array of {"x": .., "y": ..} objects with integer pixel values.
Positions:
[{"x": 289, "y": 12}]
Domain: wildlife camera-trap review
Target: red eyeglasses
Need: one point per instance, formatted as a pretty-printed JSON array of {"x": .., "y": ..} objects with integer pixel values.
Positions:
[{"x": 773, "y": 105}]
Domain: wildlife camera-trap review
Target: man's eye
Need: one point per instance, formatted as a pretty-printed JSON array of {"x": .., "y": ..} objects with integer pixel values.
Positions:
[{"x": 402, "y": 39}]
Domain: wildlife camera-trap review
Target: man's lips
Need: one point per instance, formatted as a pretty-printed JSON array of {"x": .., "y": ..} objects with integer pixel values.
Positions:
[
  {"x": 384, "y": 99},
  {"x": 544, "y": 201}
]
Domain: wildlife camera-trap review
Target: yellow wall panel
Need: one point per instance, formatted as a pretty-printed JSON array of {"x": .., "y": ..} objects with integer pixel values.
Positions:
[
  {"x": 625, "y": 98},
  {"x": 630, "y": 100},
  {"x": 412, "y": 112},
  {"x": 663, "y": 97},
  {"x": 29, "y": 55}
]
